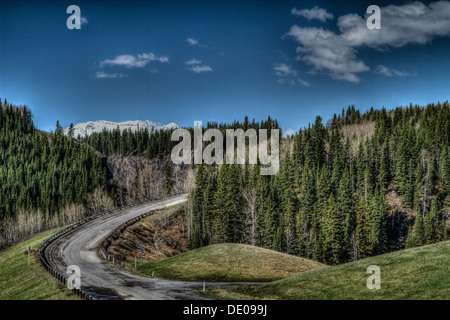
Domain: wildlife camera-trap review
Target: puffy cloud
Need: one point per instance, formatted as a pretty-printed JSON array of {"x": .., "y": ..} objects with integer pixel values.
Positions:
[
  {"x": 130, "y": 61},
  {"x": 326, "y": 51},
  {"x": 336, "y": 53},
  {"x": 412, "y": 23},
  {"x": 315, "y": 13},
  {"x": 83, "y": 20}
]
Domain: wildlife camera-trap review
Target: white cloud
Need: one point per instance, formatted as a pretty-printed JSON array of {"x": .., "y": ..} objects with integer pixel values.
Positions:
[
  {"x": 202, "y": 68},
  {"x": 303, "y": 82},
  {"x": 195, "y": 43},
  {"x": 83, "y": 20},
  {"x": 192, "y": 42},
  {"x": 380, "y": 69},
  {"x": 284, "y": 70},
  {"x": 336, "y": 53},
  {"x": 287, "y": 75},
  {"x": 324, "y": 50},
  {"x": 130, "y": 61},
  {"x": 315, "y": 13},
  {"x": 192, "y": 62},
  {"x": 412, "y": 23},
  {"x": 104, "y": 75},
  {"x": 197, "y": 66}
]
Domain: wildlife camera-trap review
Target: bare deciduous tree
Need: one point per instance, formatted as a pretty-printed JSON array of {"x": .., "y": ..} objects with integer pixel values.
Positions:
[
  {"x": 251, "y": 212},
  {"x": 98, "y": 201}
]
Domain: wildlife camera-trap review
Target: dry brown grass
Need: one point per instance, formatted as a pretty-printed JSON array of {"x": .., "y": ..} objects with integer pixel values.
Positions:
[{"x": 230, "y": 262}]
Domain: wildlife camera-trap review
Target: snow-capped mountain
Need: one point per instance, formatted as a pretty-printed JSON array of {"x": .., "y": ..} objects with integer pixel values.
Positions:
[{"x": 90, "y": 127}]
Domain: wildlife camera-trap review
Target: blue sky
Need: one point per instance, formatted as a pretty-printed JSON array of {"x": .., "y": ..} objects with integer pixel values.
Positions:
[{"x": 180, "y": 61}]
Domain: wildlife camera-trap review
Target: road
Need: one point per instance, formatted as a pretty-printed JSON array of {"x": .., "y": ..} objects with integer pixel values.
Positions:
[{"x": 79, "y": 247}]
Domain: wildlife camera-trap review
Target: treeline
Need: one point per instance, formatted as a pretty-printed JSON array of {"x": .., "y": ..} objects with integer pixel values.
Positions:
[
  {"x": 157, "y": 143},
  {"x": 246, "y": 124},
  {"x": 46, "y": 174},
  {"x": 142, "y": 142},
  {"x": 329, "y": 201}
]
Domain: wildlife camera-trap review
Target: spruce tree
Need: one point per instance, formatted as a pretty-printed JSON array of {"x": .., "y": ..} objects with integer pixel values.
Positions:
[
  {"x": 419, "y": 230},
  {"x": 416, "y": 235},
  {"x": 418, "y": 188},
  {"x": 334, "y": 247},
  {"x": 378, "y": 224},
  {"x": 71, "y": 130},
  {"x": 362, "y": 229},
  {"x": 445, "y": 169},
  {"x": 323, "y": 192},
  {"x": 168, "y": 180},
  {"x": 345, "y": 208}
]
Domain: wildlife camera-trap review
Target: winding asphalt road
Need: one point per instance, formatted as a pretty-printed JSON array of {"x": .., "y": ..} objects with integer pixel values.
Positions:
[{"x": 79, "y": 247}]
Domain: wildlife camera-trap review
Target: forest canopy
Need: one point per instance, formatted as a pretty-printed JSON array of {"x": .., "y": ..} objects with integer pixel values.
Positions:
[{"x": 362, "y": 185}]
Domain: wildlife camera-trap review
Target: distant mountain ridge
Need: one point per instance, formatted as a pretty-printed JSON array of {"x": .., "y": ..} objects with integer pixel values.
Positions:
[{"x": 87, "y": 128}]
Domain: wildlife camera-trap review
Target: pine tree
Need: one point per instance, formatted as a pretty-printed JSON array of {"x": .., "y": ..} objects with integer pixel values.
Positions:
[
  {"x": 378, "y": 224},
  {"x": 408, "y": 186},
  {"x": 278, "y": 243},
  {"x": 289, "y": 202},
  {"x": 221, "y": 221},
  {"x": 319, "y": 134},
  {"x": 419, "y": 230},
  {"x": 306, "y": 212},
  {"x": 410, "y": 239},
  {"x": 334, "y": 246},
  {"x": 345, "y": 208},
  {"x": 59, "y": 129},
  {"x": 271, "y": 222},
  {"x": 429, "y": 228},
  {"x": 438, "y": 223},
  {"x": 418, "y": 187},
  {"x": 445, "y": 169},
  {"x": 362, "y": 229},
  {"x": 168, "y": 180},
  {"x": 307, "y": 195},
  {"x": 71, "y": 130},
  {"x": 209, "y": 212},
  {"x": 195, "y": 223},
  {"x": 229, "y": 221},
  {"x": 323, "y": 193},
  {"x": 416, "y": 236}
]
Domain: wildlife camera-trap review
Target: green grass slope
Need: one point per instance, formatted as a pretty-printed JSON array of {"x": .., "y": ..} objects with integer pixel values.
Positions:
[
  {"x": 20, "y": 281},
  {"x": 418, "y": 273},
  {"x": 229, "y": 262}
]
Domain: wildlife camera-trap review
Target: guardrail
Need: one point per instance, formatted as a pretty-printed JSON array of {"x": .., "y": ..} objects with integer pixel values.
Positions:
[{"x": 62, "y": 278}]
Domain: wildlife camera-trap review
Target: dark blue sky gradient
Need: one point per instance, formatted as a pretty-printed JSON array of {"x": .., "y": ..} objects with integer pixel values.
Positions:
[{"x": 52, "y": 69}]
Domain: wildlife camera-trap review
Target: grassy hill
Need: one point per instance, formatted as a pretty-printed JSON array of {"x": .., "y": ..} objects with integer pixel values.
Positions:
[
  {"x": 229, "y": 262},
  {"x": 418, "y": 273},
  {"x": 20, "y": 281}
]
